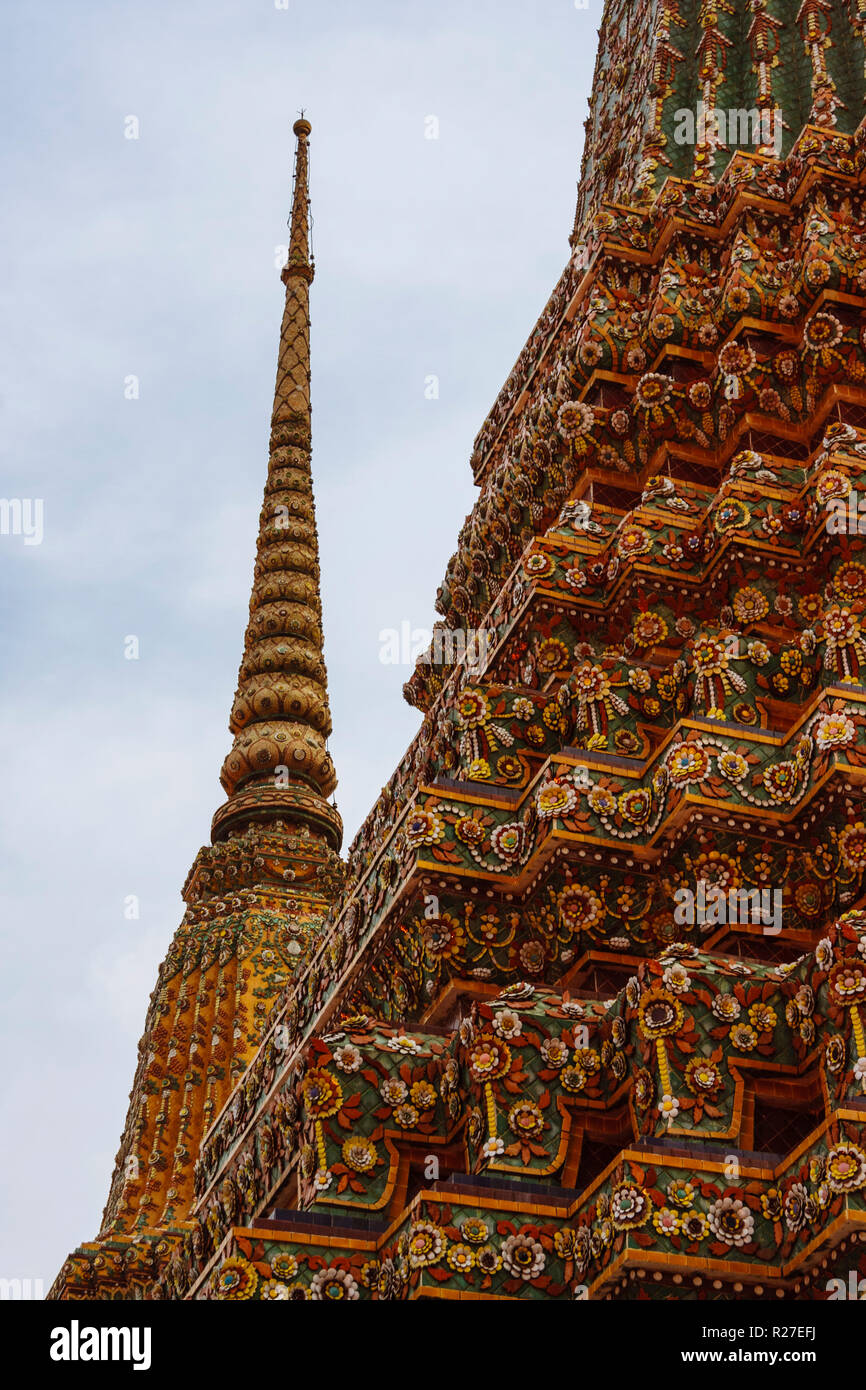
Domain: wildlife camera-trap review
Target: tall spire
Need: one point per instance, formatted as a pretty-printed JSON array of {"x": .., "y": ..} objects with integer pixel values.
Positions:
[
  {"x": 292, "y": 396},
  {"x": 279, "y": 767}
]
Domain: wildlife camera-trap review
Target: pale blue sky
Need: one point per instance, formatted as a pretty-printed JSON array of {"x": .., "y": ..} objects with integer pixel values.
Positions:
[{"x": 155, "y": 257}]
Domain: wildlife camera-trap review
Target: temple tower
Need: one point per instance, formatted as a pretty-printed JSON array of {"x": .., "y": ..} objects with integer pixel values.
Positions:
[
  {"x": 585, "y": 1016},
  {"x": 258, "y": 895}
]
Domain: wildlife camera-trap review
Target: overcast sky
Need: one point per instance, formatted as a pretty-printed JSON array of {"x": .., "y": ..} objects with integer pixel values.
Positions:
[{"x": 154, "y": 258}]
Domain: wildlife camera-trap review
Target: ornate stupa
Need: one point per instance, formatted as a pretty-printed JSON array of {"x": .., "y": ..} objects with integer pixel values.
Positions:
[{"x": 582, "y": 1013}]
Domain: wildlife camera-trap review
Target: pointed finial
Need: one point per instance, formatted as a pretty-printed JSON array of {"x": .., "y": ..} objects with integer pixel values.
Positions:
[{"x": 299, "y": 262}]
